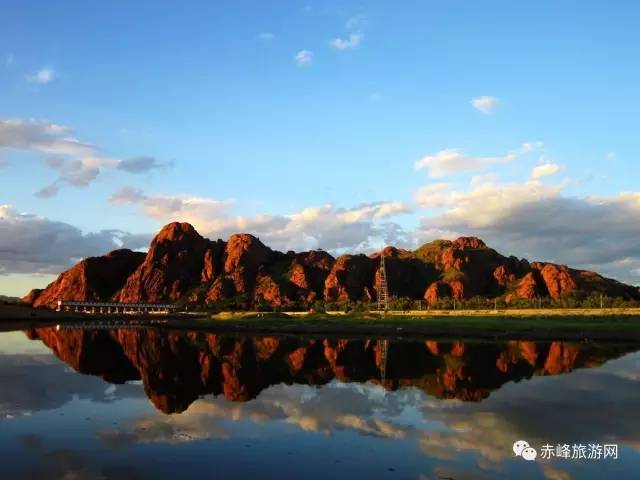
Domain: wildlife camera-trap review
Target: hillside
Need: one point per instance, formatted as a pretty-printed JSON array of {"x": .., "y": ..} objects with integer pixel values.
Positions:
[{"x": 242, "y": 272}]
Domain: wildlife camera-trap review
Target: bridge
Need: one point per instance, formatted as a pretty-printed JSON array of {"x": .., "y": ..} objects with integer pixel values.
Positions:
[{"x": 115, "y": 307}]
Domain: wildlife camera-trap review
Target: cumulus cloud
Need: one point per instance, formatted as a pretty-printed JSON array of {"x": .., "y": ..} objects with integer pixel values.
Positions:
[
  {"x": 77, "y": 163},
  {"x": 538, "y": 221},
  {"x": 485, "y": 104},
  {"x": 35, "y": 245},
  {"x": 452, "y": 161},
  {"x": 303, "y": 58},
  {"x": 545, "y": 170},
  {"x": 327, "y": 226},
  {"x": 43, "y": 76},
  {"x": 433, "y": 195},
  {"x": 352, "y": 41}
]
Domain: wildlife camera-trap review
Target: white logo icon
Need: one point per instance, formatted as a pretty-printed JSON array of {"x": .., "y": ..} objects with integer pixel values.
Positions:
[
  {"x": 522, "y": 449},
  {"x": 529, "y": 454},
  {"x": 519, "y": 446}
]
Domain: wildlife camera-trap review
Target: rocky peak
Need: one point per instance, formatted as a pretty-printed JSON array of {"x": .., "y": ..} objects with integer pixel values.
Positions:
[
  {"x": 245, "y": 251},
  {"x": 176, "y": 231},
  {"x": 173, "y": 265},
  {"x": 464, "y": 243}
]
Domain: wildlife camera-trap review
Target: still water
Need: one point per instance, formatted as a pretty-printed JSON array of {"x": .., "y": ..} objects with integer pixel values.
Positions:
[{"x": 155, "y": 404}]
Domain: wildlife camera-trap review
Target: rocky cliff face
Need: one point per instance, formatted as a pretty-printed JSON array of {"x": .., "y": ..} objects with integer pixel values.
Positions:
[
  {"x": 94, "y": 278},
  {"x": 176, "y": 367},
  {"x": 172, "y": 266},
  {"x": 183, "y": 266}
]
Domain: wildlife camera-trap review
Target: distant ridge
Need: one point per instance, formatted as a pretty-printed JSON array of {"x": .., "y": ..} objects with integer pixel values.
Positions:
[
  {"x": 242, "y": 272},
  {"x": 6, "y": 299}
]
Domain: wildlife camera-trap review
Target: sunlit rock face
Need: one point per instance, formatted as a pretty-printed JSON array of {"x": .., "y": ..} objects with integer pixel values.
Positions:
[
  {"x": 181, "y": 265},
  {"x": 94, "y": 278},
  {"x": 173, "y": 265},
  {"x": 176, "y": 367}
]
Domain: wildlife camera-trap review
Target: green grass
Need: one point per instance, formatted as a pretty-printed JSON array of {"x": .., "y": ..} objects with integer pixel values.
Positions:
[{"x": 526, "y": 327}]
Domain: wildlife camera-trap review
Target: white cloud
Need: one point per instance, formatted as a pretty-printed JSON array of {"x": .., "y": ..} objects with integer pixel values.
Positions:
[
  {"x": 327, "y": 227},
  {"x": 9, "y": 59},
  {"x": 433, "y": 195},
  {"x": 35, "y": 245},
  {"x": 266, "y": 36},
  {"x": 545, "y": 170},
  {"x": 77, "y": 163},
  {"x": 486, "y": 202},
  {"x": 536, "y": 221},
  {"x": 303, "y": 58},
  {"x": 452, "y": 161},
  {"x": 352, "y": 41},
  {"x": 43, "y": 76},
  {"x": 485, "y": 104},
  {"x": 41, "y": 136},
  {"x": 199, "y": 211}
]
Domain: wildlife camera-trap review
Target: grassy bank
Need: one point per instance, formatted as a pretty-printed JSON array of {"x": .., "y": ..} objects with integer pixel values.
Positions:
[
  {"x": 525, "y": 325},
  {"x": 544, "y": 324}
]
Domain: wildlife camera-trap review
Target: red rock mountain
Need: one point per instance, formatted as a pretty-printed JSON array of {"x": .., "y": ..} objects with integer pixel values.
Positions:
[
  {"x": 94, "y": 278},
  {"x": 183, "y": 266}
]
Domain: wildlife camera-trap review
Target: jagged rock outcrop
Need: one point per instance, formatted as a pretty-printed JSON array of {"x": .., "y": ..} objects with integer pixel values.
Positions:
[
  {"x": 528, "y": 288},
  {"x": 244, "y": 255},
  {"x": 436, "y": 292},
  {"x": 94, "y": 278},
  {"x": 242, "y": 272},
  {"x": 173, "y": 265},
  {"x": 308, "y": 273},
  {"x": 351, "y": 278},
  {"x": 558, "y": 280}
]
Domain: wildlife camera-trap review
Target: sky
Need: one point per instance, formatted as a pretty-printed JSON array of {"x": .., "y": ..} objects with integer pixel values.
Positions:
[{"x": 337, "y": 125}]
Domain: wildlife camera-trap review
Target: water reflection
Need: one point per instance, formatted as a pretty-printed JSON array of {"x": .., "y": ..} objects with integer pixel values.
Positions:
[
  {"x": 291, "y": 407},
  {"x": 178, "y": 367}
]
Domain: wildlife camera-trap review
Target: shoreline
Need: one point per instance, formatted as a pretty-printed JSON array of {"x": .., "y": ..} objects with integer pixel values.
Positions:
[{"x": 553, "y": 324}]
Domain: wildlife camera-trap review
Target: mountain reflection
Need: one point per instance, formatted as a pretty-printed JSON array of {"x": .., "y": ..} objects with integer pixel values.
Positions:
[{"x": 176, "y": 367}]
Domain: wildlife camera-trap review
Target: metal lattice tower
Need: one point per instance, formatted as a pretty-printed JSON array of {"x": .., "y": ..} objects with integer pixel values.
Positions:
[
  {"x": 383, "y": 292},
  {"x": 383, "y": 346}
]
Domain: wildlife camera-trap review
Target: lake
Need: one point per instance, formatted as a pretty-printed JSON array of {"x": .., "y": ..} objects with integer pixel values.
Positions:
[{"x": 153, "y": 404}]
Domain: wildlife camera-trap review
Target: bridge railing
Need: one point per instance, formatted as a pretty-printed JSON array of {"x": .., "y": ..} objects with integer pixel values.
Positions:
[{"x": 115, "y": 307}]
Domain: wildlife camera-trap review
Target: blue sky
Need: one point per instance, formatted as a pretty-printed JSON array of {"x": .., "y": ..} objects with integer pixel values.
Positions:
[{"x": 201, "y": 112}]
